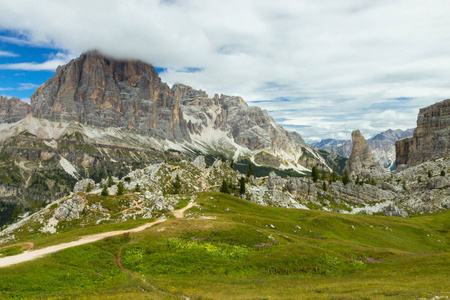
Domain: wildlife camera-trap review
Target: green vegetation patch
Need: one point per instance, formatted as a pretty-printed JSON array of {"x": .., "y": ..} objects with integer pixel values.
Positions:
[{"x": 233, "y": 249}]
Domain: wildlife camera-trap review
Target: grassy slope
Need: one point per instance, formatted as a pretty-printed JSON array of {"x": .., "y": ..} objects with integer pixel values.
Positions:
[{"x": 317, "y": 255}]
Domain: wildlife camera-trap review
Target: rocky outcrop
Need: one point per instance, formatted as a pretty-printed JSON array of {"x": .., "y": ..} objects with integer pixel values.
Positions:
[
  {"x": 71, "y": 209},
  {"x": 82, "y": 185},
  {"x": 403, "y": 150},
  {"x": 103, "y": 92},
  {"x": 431, "y": 139},
  {"x": 361, "y": 161},
  {"x": 381, "y": 145},
  {"x": 13, "y": 109},
  {"x": 199, "y": 162},
  {"x": 248, "y": 126}
]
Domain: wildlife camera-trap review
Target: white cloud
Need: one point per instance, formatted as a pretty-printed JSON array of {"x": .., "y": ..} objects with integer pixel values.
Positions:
[
  {"x": 27, "y": 86},
  {"x": 344, "y": 61},
  {"x": 49, "y": 65},
  {"x": 8, "y": 54}
]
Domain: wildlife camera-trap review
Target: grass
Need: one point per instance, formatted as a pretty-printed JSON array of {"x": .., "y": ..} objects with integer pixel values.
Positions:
[
  {"x": 10, "y": 250},
  {"x": 247, "y": 252}
]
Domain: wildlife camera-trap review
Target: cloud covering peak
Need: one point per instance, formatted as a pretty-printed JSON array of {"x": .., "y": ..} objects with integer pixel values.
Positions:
[{"x": 342, "y": 65}]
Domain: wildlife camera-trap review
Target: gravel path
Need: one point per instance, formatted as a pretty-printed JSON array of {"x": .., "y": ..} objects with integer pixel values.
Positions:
[{"x": 30, "y": 255}]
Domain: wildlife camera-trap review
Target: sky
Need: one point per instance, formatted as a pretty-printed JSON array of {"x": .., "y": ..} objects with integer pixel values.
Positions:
[{"x": 321, "y": 67}]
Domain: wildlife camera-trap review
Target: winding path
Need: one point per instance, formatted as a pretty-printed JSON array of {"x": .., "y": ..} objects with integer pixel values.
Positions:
[{"x": 27, "y": 256}]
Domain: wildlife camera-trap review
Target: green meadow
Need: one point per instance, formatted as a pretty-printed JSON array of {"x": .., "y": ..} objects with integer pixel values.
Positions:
[{"x": 228, "y": 248}]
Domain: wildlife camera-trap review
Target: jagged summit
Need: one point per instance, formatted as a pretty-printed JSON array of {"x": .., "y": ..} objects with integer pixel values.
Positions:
[
  {"x": 361, "y": 161},
  {"x": 95, "y": 95},
  {"x": 99, "y": 91},
  {"x": 13, "y": 109},
  {"x": 431, "y": 139},
  {"x": 102, "y": 92}
]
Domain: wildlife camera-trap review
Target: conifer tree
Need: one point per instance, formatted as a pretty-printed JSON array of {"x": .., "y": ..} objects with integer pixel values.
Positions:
[
  {"x": 110, "y": 181},
  {"x": 88, "y": 188},
  {"x": 224, "y": 188},
  {"x": 249, "y": 169},
  {"x": 242, "y": 186},
  {"x": 105, "y": 190},
  {"x": 120, "y": 189},
  {"x": 315, "y": 173},
  {"x": 345, "y": 177},
  {"x": 176, "y": 185}
]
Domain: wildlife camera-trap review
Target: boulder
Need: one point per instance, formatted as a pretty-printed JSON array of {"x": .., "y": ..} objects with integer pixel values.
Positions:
[
  {"x": 82, "y": 185},
  {"x": 393, "y": 211},
  {"x": 199, "y": 162},
  {"x": 437, "y": 182},
  {"x": 71, "y": 209}
]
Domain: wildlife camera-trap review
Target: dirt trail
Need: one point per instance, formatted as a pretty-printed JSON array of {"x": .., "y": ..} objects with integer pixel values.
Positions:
[
  {"x": 27, "y": 256},
  {"x": 180, "y": 213}
]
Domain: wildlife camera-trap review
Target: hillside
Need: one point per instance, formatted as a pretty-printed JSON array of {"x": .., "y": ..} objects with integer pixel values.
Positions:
[{"x": 245, "y": 251}]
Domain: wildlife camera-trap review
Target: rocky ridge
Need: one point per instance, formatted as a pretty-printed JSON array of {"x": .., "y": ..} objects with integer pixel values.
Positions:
[
  {"x": 431, "y": 138},
  {"x": 150, "y": 193},
  {"x": 381, "y": 145},
  {"x": 13, "y": 109},
  {"x": 102, "y": 92}
]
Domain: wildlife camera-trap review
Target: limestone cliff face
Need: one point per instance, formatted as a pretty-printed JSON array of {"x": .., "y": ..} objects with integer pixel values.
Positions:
[
  {"x": 431, "y": 138},
  {"x": 249, "y": 126},
  {"x": 403, "y": 150},
  {"x": 12, "y": 110},
  {"x": 361, "y": 161},
  {"x": 103, "y": 92}
]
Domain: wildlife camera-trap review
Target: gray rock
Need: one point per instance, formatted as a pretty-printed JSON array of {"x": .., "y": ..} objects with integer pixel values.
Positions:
[
  {"x": 446, "y": 205},
  {"x": 437, "y": 182},
  {"x": 71, "y": 209},
  {"x": 13, "y": 109},
  {"x": 389, "y": 187},
  {"x": 199, "y": 162},
  {"x": 393, "y": 211},
  {"x": 82, "y": 185}
]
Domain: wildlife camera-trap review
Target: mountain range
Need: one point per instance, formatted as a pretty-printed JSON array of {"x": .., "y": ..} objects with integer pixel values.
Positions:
[
  {"x": 382, "y": 146},
  {"x": 99, "y": 116}
]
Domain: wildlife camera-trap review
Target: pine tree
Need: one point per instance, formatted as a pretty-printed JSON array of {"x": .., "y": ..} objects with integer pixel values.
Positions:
[
  {"x": 137, "y": 188},
  {"x": 120, "y": 189},
  {"x": 176, "y": 185},
  {"x": 110, "y": 181},
  {"x": 249, "y": 169},
  {"x": 430, "y": 174},
  {"x": 324, "y": 186},
  {"x": 442, "y": 173},
  {"x": 105, "y": 190},
  {"x": 88, "y": 188},
  {"x": 345, "y": 177},
  {"x": 242, "y": 186},
  {"x": 333, "y": 176},
  {"x": 224, "y": 188},
  {"x": 315, "y": 173}
]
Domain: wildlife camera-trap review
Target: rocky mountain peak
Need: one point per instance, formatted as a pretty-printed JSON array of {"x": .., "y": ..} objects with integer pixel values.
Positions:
[
  {"x": 431, "y": 138},
  {"x": 361, "y": 161},
  {"x": 104, "y": 92},
  {"x": 12, "y": 109}
]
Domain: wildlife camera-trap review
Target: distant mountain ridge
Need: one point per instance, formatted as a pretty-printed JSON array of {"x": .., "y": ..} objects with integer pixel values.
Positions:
[{"x": 382, "y": 146}]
